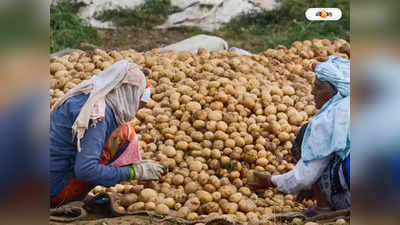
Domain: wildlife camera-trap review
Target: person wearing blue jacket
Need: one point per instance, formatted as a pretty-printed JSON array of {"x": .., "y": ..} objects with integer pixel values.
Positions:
[
  {"x": 322, "y": 146},
  {"x": 92, "y": 141}
]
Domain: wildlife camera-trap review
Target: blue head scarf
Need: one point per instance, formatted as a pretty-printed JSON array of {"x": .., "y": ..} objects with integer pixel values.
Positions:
[{"x": 329, "y": 131}]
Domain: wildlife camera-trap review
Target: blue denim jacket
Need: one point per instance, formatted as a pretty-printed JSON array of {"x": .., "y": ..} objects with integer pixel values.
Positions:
[{"x": 66, "y": 161}]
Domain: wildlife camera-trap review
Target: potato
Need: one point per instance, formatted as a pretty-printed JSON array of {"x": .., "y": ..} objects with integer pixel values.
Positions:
[
  {"x": 216, "y": 196},
  {"x": 193, "y": 203},
  {"x": 215, "y": 115},
  {"x": 220, "y": 135},
  {"x": 245, "y": 191},
  {"x": 203, "y": 178},
  {"x": 208, "y": 208},
  {"x": 191, "y": 187},
  {"x": 222, "y": 126},
  {"x": 235, "y": 197},
  {"x": 209, "y": 188},
  {"x": 295, "y": 119},
  {"x": 204, "y": 196},
  {"x": 196, "y": 166},
  {"x": 252, "y": 217},
  {"x": 193, "y": 107},
  {"x": 239, "y": 141},
  {"x": 283, "y": 136},
  {"x": 192, "y": 216},
  {"x": 169, "y": 151},
  {"x": 88, "y": 67},
  {"x": 128, "y": 200},
  {"x": 99, "y": 189},
  {"x": 61, "y": 74},
  {"x": 180, "y": 195},
  {"x": 288, "y": 90},
  {"x": 250, "y": 156},
  {"x": 183, "y": 212},
  {"x": 148, "y": 195},
  {"x": 224, "y": 181},
  {"x": 54, "y": 67},
  {"x": 227, "y": 190},
  {"x": 177, "y": 206},
  {"x": 197, "y": 136},
  {"x": 268, "y": 212},
  {"x": 137, "y": 189},
  {"x": 241, "y": 216},
  {"x": 149, "y": 206},
  {"x": 309, "y": 109},
  {"x": 229, "y": 207},
  {"x": 162, "y": 209},
  {"x": 262, "y": 161},
  {"x": 136, "y": 207},
  {"x": 246, "y": 205},
  {"x": 178, "y": 179},
  {"x": 182, "y": 145},
  {"x": 198, "y": 124},
  {"x": 170, "y": 202},
  {"x": 225, "y": 160},
  {"x": 194, "y": 174}
]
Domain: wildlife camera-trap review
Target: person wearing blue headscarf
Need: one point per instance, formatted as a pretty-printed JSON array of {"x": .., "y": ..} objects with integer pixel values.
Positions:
[{"x": 322, "y": 146}]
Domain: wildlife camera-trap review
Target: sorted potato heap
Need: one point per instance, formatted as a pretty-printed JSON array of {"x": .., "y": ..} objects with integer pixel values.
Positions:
[{"x": 215, "y": 118}]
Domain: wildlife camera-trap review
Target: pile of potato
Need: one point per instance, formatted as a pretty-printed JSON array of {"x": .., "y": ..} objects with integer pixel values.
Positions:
[{"x": 215, "y": 118}]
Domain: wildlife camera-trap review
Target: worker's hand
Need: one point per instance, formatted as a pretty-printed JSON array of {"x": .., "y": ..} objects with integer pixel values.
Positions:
[
  {"x": 262, "y": 180},
  {"x": 305, "y": 194},
  {"x": 147, "y": 170}
]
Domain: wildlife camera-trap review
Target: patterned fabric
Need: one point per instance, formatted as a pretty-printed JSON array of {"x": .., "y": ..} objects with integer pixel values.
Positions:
[
  {"x": 75, "y": 190},
  {"x": 130, "y": 155},
  {"x": 115, "y": 145},
  {"x": 333, "y": 184},
  {"x": 117, "y": 141}
]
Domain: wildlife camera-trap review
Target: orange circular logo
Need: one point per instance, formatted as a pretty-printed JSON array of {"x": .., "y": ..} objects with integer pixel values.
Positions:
[{"x": 323, "y": 14}]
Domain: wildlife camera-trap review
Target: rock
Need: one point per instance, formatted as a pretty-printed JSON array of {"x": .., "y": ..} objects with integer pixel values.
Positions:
[
  {"x": 183, "y": 3},
  {"x": 209, "y": 15},
  {"x": 265, "y": 4},
  {"x": 91, "y": 9},
  {"x": 206, "y": 14}
]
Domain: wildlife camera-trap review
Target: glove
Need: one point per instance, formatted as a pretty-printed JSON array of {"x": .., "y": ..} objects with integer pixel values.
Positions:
[{"x": 146, "y": 170}]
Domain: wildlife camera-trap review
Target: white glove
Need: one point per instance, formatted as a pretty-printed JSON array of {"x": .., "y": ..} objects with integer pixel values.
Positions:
[{"x": 148, "y": 170}]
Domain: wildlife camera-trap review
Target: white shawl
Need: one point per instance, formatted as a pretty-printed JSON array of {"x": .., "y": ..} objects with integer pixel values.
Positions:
[{"x": 108, "y": 86}]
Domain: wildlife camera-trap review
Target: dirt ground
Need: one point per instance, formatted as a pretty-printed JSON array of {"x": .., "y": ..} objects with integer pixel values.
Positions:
[{"x": 141, "y": 39}]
